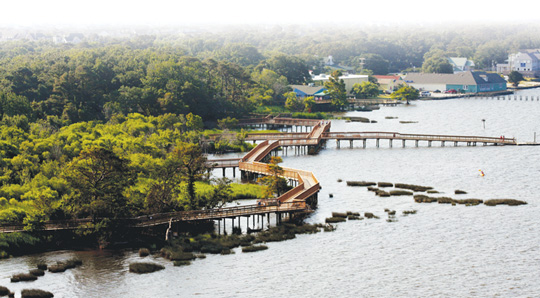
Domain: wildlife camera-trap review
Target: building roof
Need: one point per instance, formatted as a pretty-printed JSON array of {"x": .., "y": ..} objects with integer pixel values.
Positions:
[
  {"x": 463, "y": 78},
  {"x": 308, "y": 90},
  {"x": 387, "y": 77},
  {"x": 324, "y": 77}
]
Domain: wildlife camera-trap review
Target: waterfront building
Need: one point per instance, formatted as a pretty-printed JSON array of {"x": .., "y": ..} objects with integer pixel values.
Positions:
[
  {"x": 464, "y": 82},
  {"x": 526, "y": 62}
]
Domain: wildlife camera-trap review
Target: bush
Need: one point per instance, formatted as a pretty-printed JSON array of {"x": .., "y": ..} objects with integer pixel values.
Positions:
[
  {"x": 335, "y": 219},
  {"x": 385, "y": 184},
  {"x": 469, "y": 201},
  {"x": 360, "y": 183},
  {"x": 407, "y": 212},
  {"x": 23, "y": 277},
  {"x": 143, "y": 252},
  {"x": 142, "y": 267},
  {"x": 42, "y": 266},
  {"x": 445, "y": 200},
  {"x": 459, "y": 192},
  {"x": 64, "y": 265},
  {"x": 35, "y": 293},
  {"x": 509, "y": 202},
  {"x": 424, "y": 199},
  {"x": 339, "y": 214},
  {"x": 4, "y": 291},
  {"x": 413, "y": 187},
  {"x": 400, "y": 193},
  {"x": 181, "y": 263},
  {"x": 254, "y": 248},
  {"x": 37, "y": 272}
]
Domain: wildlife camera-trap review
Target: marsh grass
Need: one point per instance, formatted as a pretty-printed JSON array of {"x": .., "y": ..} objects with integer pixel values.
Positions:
[
  {"x": 4, "y": 291},
  {"x": 385, "y": 184},
  {"x": 143, "y": 252},
  {"x": 335, "y": 219},
  {"x": 181, "y": 263},
  {"x": 35, "y": 293},
  {"x": 254, "y": 248},
  {"x": 360, "y": 183},
  {"x": 145, "y": 267},
  {"x": 37, "y": 272},
  {"x": 459, "y": 192},
  {"x": 23, "y": 277},
  {"x": 400, "y": 193},
  {"x": 417, "y": 188},
  {"x": 509, "y": 202}
]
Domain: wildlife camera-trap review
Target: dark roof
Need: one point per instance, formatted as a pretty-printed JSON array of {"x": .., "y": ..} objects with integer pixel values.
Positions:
[
  {"x": 463, "y": 78},
  {"x": 487, "y": 78}
]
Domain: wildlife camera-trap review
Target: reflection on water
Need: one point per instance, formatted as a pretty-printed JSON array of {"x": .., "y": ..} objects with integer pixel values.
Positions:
[{"x": 442, "y": 251}]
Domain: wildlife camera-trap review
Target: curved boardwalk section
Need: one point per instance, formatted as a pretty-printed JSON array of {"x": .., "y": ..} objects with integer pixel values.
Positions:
[{"x": 308, "y": 186}]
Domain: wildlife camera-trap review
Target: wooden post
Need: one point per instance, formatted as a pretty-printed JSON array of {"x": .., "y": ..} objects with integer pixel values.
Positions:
[
  {"x": 364, "y": 143},
  {"x": 377, "y": 141}
]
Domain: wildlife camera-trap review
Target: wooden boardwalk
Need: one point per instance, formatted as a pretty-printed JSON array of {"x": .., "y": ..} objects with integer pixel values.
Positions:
[
  {"x": 307, "y": 186},
  {"x": 181, "y": 216}
]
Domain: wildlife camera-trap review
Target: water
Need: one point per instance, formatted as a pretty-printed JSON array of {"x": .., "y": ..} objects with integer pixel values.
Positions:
[{"x": 442, "y": 251}]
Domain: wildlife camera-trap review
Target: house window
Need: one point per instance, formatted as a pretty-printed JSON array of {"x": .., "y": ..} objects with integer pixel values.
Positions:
[
  {"x": 465, "y": 87},
  {"x": 523, "y": 64}
]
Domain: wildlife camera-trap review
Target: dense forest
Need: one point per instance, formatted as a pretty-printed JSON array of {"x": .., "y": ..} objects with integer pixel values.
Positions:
[{"x": 133, "y": 110}]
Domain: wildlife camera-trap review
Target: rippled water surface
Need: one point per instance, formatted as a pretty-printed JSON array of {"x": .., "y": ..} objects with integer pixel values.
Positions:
[{"x": 442, "y": 251}]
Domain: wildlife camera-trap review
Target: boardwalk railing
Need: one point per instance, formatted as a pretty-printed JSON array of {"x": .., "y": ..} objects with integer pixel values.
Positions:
[
  {"x": 164, "y": 218},
  {"x": 419, "y": 137}
]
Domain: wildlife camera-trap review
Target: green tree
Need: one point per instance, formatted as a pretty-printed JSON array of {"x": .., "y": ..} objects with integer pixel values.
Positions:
[
  {"x": 514, "y": 77},
  {"x": 336, "y": 90},
  {"x": 406, "y": 93},
  {"x": 220, "y": 195},
  {"x": 98, "y": 178},
  {"x": 292, "y": 103},
  {"x": 365, "y": 90},
  {"x": 191, "y": 164},
  {"x": 274, "y": 183}
]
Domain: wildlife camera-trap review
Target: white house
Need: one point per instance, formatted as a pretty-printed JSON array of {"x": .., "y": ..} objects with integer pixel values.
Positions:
[{"x": 527, "y": 62}]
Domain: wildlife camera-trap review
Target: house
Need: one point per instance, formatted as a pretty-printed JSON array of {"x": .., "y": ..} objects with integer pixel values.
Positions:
[
  {"x": 349, "y": 80},
  {"x": 527, "y": 62},
  {"x": 465, "y": 82},
  {"x": 461, "y": 64},
  {"x": 389, "y": 83},
  {"x": 303, "y": 91}
]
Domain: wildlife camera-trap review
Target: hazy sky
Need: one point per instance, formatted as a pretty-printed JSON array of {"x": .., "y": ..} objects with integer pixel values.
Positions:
[{"x": 165, "y": 12}]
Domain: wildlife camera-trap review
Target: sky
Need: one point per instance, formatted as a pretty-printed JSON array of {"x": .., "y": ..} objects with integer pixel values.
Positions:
[{"x": 182, "y": 12}]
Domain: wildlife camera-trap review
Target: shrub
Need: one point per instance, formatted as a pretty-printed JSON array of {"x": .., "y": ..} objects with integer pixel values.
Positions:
[
  {"x": 254, "y": 248},
  {"x": 339, "y": 214},
  {"x": 382, "y": 193},
  {"x": 469, "y": 201},
  {"x": 181, "y": 263},
  {"x": 445, "y": 200},
  {"x": 400, "y": 193},
  {"x": 35, "y": 293},
  {"x": 42, "y": 266},
  {"x": 369, "y": 215},
  {"x": 360, "y": 183},
  {"x": 143, "y": 267},
  {"x": 335, "y": 219},
  {"x": 407, "y": 212},
  {"x": 4, "y": 291},
  {"x": 64, "y": 265},
  {"x": 385, "y": 184},
  {"x": 424, "y": 199},
  {"x": 23, "y": 277},
  {"x": 413, "y": 187},
  {"x": 509, "y": 202},
  {"x": 459, "y": 192},
  {"x": 143, "y": 252},
  {"x": 3, "y": 201},
  {"x": 37, "y": 272},
  {"x": 354, "y": 217}
]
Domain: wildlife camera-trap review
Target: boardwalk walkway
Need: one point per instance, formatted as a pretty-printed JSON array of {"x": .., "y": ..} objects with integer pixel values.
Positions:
[{"x": 297, "y": 199}]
